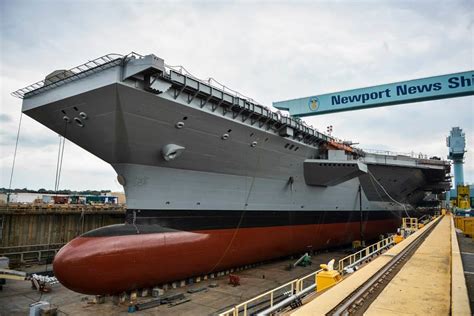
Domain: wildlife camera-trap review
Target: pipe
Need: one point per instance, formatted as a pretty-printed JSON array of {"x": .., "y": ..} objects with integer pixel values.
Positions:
[
  {"x": 299, "y": 260},
  {"x": 286, "y": 301}
]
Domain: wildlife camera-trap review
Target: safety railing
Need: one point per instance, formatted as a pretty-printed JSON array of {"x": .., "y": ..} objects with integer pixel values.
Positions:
[
  {"x": 361, "y": 255},
  {"x": 290, "y": 288},
  {"x": 394, "y": 153},
  {"x": 410, "y": 223},
  {"x": 298, "y": 285},
  {"x": 80, "y": 71},
  {"x": 30, "y": 253}
]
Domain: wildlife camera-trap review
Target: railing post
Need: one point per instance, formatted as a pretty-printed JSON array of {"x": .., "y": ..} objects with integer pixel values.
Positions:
[{"x": 271, "y": 299}]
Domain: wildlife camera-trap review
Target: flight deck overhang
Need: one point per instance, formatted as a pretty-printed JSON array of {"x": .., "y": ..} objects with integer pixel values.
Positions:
[{"x": 320, "y": 172}]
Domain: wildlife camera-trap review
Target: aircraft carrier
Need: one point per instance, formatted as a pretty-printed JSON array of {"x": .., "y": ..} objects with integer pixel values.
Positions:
[{"x": 212, "y": 176}]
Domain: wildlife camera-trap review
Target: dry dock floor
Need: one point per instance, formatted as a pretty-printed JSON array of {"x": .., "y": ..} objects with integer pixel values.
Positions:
[{"x": 17, "y": 295}]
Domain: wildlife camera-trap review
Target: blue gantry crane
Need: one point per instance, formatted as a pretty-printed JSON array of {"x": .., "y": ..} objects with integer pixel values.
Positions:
[
  {"x": 424, "y": 89},
  {"x": 417, "y": 90},
  {"x": 456, "y": 142}
]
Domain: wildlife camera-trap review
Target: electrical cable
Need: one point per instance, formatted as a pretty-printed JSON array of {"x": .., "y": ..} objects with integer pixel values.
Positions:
[
  {"x": 390, "y": 197},
  {"x": 59, "y": 163},
  {"x": 241, "y": 217},
  {"x": 14, "y": 158}
]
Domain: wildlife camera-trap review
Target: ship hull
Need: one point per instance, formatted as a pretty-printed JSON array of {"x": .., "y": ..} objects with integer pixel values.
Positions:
[
  {"x": 248, "y": 185},
  {"x": 114, "y": 259}
]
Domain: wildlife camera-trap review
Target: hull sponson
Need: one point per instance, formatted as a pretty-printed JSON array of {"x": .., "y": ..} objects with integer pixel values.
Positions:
[{"x": 95, "y": 265}]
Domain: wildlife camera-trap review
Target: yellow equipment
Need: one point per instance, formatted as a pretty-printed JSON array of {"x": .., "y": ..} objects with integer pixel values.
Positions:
[
  {"x": 398, "y": 238},
  {"x": 328, "y": 277},
  {"x": 356, "y": 244},
  {"x": 463, "y": 197}
]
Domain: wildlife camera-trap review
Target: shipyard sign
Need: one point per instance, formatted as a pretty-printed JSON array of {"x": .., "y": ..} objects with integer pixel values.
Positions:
[{"x": 425, "y": 89}]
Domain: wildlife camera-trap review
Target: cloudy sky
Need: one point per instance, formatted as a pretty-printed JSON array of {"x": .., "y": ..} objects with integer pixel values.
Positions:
[{"x": 267, "y": 50}]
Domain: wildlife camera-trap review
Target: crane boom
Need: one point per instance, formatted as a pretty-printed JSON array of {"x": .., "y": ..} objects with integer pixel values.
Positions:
[{"x": 424, "y": 89}]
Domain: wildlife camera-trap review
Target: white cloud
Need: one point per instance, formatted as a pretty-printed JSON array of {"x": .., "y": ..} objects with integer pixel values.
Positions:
[{"x": 269, "y": 51}]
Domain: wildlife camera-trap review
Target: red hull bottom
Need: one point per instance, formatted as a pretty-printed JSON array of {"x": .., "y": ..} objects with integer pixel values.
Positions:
[{"x": 113, "y": 264}]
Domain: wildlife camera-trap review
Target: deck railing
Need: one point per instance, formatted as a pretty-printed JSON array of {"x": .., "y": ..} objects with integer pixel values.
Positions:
[
  {"x": 292, "y": 287},
  {"x": 361, "y": 255},
  {"x": 63, "y": 76},
  {"x": 298, "y": 285}
]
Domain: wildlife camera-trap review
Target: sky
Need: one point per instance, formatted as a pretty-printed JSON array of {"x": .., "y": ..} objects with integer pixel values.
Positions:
[{"x": 270, "y": 51}]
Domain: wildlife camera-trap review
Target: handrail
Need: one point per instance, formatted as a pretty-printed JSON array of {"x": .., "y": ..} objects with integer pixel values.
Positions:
[
  {"x": 395, "y": 153},
  {"x": 63, "y": 76},
  {"x": 296, "y": 286},
  {"x": 2, "y": 249},
  {"x": 361, "y": 255}
]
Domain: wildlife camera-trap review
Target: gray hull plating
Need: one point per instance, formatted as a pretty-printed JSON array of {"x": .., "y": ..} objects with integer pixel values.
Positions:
[{"x": 231, "y": 160}]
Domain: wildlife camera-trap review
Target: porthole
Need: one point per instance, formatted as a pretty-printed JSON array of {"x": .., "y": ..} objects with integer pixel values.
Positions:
[
  {"x": 286, "y": 146},
  {"x": 75, "y": 108},
  {"x": 291, "y": 147},
  {"x": 179, "y": 125},
  {"x": 229, "y": 130},
  {"x": 251, "y": 134},
  {"x": 297, "y": 148},
  {"x": 185, "y": 118}
]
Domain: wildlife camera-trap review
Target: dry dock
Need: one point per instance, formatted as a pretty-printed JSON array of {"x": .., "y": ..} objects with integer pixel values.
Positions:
[
  {"x": 16, "y": 296},
  {"x": 433, "y": 265}
]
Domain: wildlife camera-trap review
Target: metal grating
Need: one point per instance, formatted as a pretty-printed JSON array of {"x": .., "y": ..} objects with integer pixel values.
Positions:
[{"x": 72, "y": 74}]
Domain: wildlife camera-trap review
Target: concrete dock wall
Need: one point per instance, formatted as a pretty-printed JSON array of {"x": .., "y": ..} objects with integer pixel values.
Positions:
[{"x": 30, "y": 230}]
